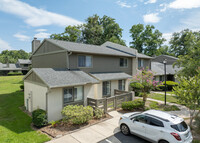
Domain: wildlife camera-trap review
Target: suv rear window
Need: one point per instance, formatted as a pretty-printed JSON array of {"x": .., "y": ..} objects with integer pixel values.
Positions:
[{"x": 181, "y": 127}]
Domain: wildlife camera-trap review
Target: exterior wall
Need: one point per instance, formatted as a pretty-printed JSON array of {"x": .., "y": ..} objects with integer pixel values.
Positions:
[
  {"x": 56, "y": 60},
  {"x": 55, "y": 104},
  {"x": 36, "y": 95},
  {"x": 134, "y": 66},
  {"x": 147, "y": 63},
  {"x": 101, "y": 63}
]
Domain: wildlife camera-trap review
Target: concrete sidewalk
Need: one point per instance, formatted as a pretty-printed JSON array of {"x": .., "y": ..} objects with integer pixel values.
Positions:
[{"x": 94, "y": 133}]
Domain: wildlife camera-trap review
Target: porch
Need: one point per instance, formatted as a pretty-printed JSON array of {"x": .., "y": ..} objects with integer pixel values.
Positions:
[{"x": 111, "y": 103}]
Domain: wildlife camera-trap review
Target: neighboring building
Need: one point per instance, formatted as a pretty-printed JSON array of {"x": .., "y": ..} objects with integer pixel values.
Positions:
[
  {"x": 22, "y": 65},
  {"x": 66, "y": 73},
  {"x": 157, "y": 67}
]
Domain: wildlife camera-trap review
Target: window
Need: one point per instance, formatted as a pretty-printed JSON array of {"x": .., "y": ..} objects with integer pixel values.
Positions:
[
  {"x": 73, "y": 94},
  {"x": 161, "y": 78},
  {"x": 123, "y": 62},
  {"x": 84, "y": 61},
  {"x": 121, "y": 84},
  {"x": 140, "y": 63},
  {"x": 25, "y": 65},
  {"x": 106, "y": 88},
  {"x": 155, "y": 122},
  {"x": 141, "y": 119},
  {"x": 181, "y": 127}
]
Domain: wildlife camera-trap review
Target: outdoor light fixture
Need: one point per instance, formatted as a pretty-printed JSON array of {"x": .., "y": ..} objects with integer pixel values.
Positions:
[{"x": 165, "y": 62}]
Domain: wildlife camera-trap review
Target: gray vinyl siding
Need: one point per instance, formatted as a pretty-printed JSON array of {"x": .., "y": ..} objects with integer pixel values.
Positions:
[
  {"x": 147, "y": 63},
  {"x": 56, "y": 60},
  {"x": 47, "y": 47},
  {"x": 34, "y": 78},
  {"x": 101, "y": 63}
]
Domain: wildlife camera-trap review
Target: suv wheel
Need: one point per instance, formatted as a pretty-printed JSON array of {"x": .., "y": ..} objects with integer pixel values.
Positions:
[
  {"x": 163, "y": 141},
  {"x": 125, "y": 129}
]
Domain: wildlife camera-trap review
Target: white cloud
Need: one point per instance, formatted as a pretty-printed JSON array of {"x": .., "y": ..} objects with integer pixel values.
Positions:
[
  {"x": 167, "y": 36},
  {"x": 192, "y": 22},
  {"x": 22, "y": 37},
  {"x": 41, "y": 30},
  {"x": 42, "y": 35},
  {"x": 4, "y": 45},
  {"x": 151, "y": 18},
  {"x": 123, "y": 4},
  {"x": 150, "y": 1},
  {"x": 164, "y": 7},
  {"x": 185, "y": 4},
  {"x": 34, "y": 16}
]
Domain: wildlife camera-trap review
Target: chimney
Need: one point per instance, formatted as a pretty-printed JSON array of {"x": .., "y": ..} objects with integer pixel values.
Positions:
[{"x": 35, "y": 44}]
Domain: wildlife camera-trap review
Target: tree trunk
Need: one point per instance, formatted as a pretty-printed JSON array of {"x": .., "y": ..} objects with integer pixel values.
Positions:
[{"x": 144, "y": 97}]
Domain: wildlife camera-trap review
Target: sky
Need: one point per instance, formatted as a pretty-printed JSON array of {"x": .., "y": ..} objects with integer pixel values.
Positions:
[{"x": 22, "y": 20}]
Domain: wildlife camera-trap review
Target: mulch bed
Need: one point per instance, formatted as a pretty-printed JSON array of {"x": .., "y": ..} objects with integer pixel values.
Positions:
[{"x": 62, "y": 129}]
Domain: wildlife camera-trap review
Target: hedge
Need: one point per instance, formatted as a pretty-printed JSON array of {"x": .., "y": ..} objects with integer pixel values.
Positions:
[
  {"x": 136, "y": 85},
  {"x": 131, "y": 105}
]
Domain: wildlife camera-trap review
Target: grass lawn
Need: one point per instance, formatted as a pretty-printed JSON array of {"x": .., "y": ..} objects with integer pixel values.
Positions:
[
  {"x": 15, "y": 124},
  {"x": 161, "y": 97}
]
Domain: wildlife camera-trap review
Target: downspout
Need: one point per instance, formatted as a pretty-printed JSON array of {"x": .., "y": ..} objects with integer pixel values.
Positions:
[
  {"x": 68, "y": 53},
  {"x": 48, "y": 91}
]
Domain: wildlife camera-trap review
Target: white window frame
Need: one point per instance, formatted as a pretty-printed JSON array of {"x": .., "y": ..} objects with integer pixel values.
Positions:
[{"x": 85, "y": 63}]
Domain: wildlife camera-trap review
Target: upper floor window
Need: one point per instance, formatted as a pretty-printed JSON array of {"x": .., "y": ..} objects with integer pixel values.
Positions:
[
  {"x": 106, "y": 88},
  {"x": 123, "y": 62},
  {"x": 140, "y": 63},
  {"x": 121, "y": 84},
  {"x": 84, "y": 61}
]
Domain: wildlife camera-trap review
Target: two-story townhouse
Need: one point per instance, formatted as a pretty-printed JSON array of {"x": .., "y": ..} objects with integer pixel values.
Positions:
[{"x": 66, "y": 73}]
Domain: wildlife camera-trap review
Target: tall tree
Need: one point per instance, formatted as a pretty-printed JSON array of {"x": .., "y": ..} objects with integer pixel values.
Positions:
[
  {"x": 190, "y": 62},
  {"x": 95, "y": 31},
  {"x": 181, "y": 42},
  {"x": 146, "y": 39},
  {"x": 163, "y": 50},
  {"x": 71, "y": 33}
]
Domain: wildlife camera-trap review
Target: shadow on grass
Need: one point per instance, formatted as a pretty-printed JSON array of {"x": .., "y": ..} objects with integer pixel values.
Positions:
[{"x": 11, "y": 117}]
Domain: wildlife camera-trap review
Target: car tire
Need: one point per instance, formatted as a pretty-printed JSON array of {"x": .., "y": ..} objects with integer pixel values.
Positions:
[
  {"x": 125, "y": 130},
  {"x": 163, "y": 141}
]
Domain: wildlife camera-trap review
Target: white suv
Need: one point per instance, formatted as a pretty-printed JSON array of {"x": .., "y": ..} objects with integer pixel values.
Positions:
[{"x": 156, "y": 126}]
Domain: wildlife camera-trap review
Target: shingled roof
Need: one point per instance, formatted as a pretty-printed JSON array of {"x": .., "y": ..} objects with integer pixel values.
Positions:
[
  {"x": 62, "y": 77},
  {"x": 87, "y": 48}
]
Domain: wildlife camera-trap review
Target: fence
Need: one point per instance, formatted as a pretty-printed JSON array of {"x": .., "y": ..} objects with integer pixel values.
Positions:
[{"x": 111, "y": 103}]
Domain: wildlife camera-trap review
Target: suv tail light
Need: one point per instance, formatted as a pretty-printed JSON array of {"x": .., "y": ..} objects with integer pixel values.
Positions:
[{"x": 176, "y": 136}]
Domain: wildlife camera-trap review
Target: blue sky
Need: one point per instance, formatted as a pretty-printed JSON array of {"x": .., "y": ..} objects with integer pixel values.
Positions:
[{"x": 21, "y": 20}]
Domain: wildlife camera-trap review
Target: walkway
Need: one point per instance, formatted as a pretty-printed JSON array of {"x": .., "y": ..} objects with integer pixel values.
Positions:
[
  {"x": 94, "y": 133},
  {"x": 159, "y": 92}
]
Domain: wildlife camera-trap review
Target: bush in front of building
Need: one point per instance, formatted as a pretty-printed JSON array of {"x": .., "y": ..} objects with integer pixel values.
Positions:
[
  {"x": 77, "y": 114},
  {"x": 22, "y": 87},
  {"x": 136, "y": 86},
  {"x": 133, "y": 105},
  {"x": 39, "y": 118},
  {"x": 170, "y": 84},
  {"x": 98, "y": 113}
]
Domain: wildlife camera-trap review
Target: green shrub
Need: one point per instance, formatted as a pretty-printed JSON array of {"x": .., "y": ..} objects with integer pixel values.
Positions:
[
  {"x": 161, "y": 87},
  {"x": 171, "y": 108},
  {"x": 131, "y": 105},
  {"x": 98, "y": 113},
  {"x": 197, "y": 124},
  {"x": 39, "y": 118},
  {"x": 136, "y": 86},
  {"x": 77, "y": 114},
  {"x": 14, "y": 73},
  {"x": 170, "y": 84},
  {"x": 22, "y": 87},
  {"x": 153, "y": 105},
  {"x": 54, "y": 123}
]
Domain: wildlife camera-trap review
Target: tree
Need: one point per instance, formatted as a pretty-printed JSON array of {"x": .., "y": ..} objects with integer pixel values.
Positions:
[
  {"x": 146, "y": 78},
  {"x": 146, "y": 39},
  {"x": 71, "y": 33},
  {"x": 95, "y": 31},
  {"x": 181, "y": 42},
  {"x": 190, "y": 62},
  {"x": 188, "y": 92},
  {"x": 12, "y": 56}
]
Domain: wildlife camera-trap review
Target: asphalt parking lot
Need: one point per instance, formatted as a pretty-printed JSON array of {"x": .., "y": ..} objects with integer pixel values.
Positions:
[{"x": 120, "y": 138}]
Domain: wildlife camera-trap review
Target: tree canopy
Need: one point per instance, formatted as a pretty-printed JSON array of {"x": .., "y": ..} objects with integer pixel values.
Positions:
[
  {"x": 12, "y": 56},
  {"x": 95, "y": 31},
  {"x": 146, "y": 39},
  {"x": 181, "y": 42}
]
